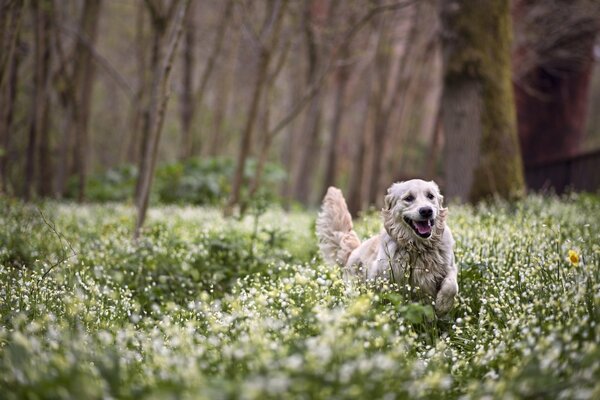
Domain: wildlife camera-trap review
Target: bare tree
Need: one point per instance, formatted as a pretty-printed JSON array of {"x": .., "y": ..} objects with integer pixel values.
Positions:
[
  {"x": 341, "y": 84},
  {"x": 415, "y": 116},
  {"x": 161, "y": 16},
  {"x": 268, "y": 135},
  {"x": 388, "y": 97},
  {"x": 223, "y": 96},
  {"x": 314, "y": 15},
  {"x": 266, "y": 42},
  {"x": 193, "y": 101},
  {"x": 362, "y": 135},
  {"x": 158, "y": 104}
]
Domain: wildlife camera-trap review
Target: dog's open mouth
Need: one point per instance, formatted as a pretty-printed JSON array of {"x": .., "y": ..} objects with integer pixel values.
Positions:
[{"x": 421, "y": 228}]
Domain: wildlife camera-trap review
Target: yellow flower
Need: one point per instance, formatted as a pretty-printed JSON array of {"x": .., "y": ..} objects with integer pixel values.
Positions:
[{"x": 573, "y": 257}]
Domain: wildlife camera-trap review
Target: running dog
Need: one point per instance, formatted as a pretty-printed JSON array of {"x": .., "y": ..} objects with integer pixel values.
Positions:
[{"x": 415, "y": 241}]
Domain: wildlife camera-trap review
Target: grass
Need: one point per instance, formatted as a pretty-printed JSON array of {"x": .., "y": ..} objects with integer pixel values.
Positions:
[{"x": 203, "y": 307}]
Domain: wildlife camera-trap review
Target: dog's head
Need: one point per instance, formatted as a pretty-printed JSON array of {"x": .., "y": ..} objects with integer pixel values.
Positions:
[{"x": 414, "y": 209}]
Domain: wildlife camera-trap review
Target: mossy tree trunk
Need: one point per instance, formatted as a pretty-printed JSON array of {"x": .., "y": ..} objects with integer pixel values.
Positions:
[{"x": 481, "y": 147}]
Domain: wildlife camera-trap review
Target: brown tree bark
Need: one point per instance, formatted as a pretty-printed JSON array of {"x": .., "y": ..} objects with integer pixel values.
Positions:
[
  {"x": 341, "y": 83},
  {"x": 481, "y": 148},
  {"x": 383, "y": 103},
  {"x": 313, "y": 14},
  {"x": 39, "y": 120},
  {"x": 187, "y": 94},
  {"x": 268, "y": 135},
  {"x": 188, "y": 139},
  {"x": 391, "y": 94},
  {"x": 45, "y": 184},
  {"x": 288, "y": 156},
  {"x": 9, "y": 36},
  {"x": 64, "y": 87},
  {"x": 552, "y": 64},
  {"x": 413, "y": 120},
  {"x": 83, "y": 78},
  {"x": 159, "y": 98},
  {"x": 363, "y": 136},
  {"x": 134, "y": 150},
  {"x": 161, "y": 16}
]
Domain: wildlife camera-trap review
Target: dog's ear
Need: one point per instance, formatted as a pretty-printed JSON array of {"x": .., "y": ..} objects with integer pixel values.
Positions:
[{"x": 389, "y": 200}]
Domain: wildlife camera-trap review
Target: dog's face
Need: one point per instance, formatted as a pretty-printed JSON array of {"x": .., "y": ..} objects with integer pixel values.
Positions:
[{"x": 416, "y": 204}]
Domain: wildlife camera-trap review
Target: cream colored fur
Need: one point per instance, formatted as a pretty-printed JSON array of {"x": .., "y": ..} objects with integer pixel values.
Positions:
[{"x": 398, "y": 251}]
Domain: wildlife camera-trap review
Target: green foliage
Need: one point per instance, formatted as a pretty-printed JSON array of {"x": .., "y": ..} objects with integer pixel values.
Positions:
[
  {"x": 115, "y": 184},
  {"x": 204, "y": 307},
  {"x": 198, "y": 181}
]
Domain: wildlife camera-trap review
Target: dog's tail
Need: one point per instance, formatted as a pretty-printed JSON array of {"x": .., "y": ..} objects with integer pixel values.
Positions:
[{"x": 336, "y": 237}]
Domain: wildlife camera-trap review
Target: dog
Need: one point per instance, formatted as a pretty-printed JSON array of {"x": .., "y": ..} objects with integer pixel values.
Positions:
[{"x": 415, "y": 243}]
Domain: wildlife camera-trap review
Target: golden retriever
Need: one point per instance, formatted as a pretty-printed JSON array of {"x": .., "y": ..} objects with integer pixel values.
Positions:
[{"x": 415, "y": 241}]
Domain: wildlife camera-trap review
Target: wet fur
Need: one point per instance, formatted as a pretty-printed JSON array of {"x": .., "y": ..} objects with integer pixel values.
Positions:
[{"x": 397, "y": 250}]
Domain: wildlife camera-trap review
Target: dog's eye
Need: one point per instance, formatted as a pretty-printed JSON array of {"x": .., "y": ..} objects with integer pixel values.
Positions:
[
  {"x": 430, "y": 196},
  {"x": 409, "y": 198}
]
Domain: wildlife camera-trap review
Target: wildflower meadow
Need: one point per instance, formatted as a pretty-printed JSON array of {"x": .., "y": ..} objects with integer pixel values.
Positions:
[{"x": 202, "y": 307}]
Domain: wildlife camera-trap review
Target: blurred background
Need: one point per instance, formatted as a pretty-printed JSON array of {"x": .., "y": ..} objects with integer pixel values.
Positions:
[{"x": 224, "y": 102}]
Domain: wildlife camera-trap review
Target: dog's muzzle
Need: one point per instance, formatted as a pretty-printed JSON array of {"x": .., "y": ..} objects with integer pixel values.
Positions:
[{"x": 422, "y": 228}]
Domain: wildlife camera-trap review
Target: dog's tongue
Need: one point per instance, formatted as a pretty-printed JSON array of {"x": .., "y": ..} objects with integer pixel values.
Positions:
[{"x": 423, "y": 227}]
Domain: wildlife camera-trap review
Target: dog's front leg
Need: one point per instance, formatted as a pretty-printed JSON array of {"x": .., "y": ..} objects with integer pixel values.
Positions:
[
  {"x": 445, "y": 296},
  {"x": 384, "y": 262}
]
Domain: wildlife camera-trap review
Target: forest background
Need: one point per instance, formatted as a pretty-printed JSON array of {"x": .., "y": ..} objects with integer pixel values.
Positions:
[{"x": 230, "y": 101}]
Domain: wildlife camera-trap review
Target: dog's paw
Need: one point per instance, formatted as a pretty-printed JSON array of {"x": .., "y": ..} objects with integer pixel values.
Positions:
[{"x": 445, "y": 298}]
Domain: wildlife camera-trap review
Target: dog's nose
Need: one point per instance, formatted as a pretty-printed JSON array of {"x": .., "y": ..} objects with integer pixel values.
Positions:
[{"x": 426, "y": 212}]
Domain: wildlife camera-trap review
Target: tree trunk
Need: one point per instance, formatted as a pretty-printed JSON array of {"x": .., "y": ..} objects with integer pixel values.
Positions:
[
  {"x": 146, "y": 110},
  {"x": 309, "y": 155},
  {"x": 268, "y": 135},
  {"x": 38, "y": 127},
  {"x": 208, "y": 70},
  {"x": 387, "y": 102},
  {"x": 8, "y": 85},
  {"x": 552, "y": 63},
  {"x": 462, "y": 104},
  {"x": 247, "y": 133},
  {"x": 159, "y": 100},
  {"x": 430, "y": 170},
  {"x": 413, "y": 121},
  {"x": 381, "y": 110},
  {"x": 84, "y": 80},
  {"x": 288, "y": 155},
  {"x": 481, "y": 149},
  {"x": 217, "y": 139},
  {"x": 187, "y": 94},
  {"x": 338, "y": 110},
  {"x": 134, "y": 149},
  {"x": 362, "y": 134},
  {"x": 45, "y": 186},
  {"x": 266, "y": 52},
  {"x": 310, "y": 152},
  {"x": 266, "y": 142},
  {"x": 10, "y": 25}
]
